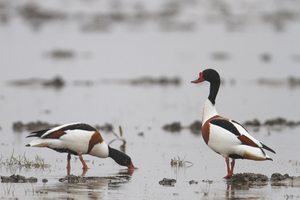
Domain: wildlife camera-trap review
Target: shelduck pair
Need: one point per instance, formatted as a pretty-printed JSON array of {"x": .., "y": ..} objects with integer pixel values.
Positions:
[{"x": 225, "y": 136}]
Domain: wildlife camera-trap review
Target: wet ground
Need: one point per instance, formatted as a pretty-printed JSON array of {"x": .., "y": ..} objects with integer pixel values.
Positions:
[{"x": 129, "y": 64}]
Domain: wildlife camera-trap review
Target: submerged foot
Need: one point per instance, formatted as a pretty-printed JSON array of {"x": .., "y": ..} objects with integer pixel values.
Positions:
[{"x": 228, "y": 176}]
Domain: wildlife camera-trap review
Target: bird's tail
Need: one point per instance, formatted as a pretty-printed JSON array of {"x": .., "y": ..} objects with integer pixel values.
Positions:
[{"x": 253, "y": 153}]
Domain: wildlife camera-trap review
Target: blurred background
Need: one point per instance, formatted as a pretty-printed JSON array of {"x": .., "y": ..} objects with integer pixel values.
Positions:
[
  {"x": 130, "y": 63},
  {"x": 87, "y": 43}
]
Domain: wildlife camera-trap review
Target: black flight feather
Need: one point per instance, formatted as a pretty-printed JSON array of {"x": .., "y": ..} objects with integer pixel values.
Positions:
[
  {"x": 38, "y": 133},
  {"x": 268, "y": 148}
]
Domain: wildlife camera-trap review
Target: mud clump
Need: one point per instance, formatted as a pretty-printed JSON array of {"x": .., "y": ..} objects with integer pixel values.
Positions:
[
  {"x": 292, "y": 82},
  {"x": 18, "y": 179},
  {"x": 173, "y": 127},
  {"x": 107, "y": 127},
  {"x": 279, "y": 177},
  {"x": 194, "y": 127},
  {"x": 4, "y": 13},
  {"x": 167, "y": 182},
  {"x": 166, "y": 18},
  {"x": 192, "y": 182},
  {"x": 31, "y": 126},
  {"x": 56, "y": 82},
  {"x": 266, "y": 57},
  {"x": 170, "y": 16},
  {"x": 112, "y": 181},
  {"x": 44, "y": 180},
  {"x": 254, "y": 122},
  {"x": 146, "y": 81},
  {"x": 251, "y": 178},
  {"x": 274, "y": 123},
  {"x": 277, "y": 121},
  {"x": 281, "y": 122},
  {"x": 19, "y": 126},
  {"x": 73, "y": 179},
  {"x": 207, "y": 181},
  {"x": 61, "y": 54},
  {"x": 156, "y": 81},
  {"x": 36, "y": 15},
  {"x": 141, "y": 134}
]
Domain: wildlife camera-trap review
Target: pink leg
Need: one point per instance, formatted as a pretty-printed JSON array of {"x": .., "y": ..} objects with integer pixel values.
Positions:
[
  {"x": 232, "y": 166},
  {"x": 84, "y": 165},
  {"x": 68, "y": 164},
  {"x": 229, "y": 171},
  {"x": 84, "y": 172}
]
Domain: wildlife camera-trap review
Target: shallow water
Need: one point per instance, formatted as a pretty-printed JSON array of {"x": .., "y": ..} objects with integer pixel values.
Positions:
[{"x": 129, "y": 51}]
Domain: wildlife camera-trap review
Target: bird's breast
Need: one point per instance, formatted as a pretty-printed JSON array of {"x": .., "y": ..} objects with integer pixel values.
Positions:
[{"x": 206, "y": 128}]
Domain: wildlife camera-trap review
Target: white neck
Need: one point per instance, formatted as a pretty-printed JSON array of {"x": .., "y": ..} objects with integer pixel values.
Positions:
[
  {"x": 100, "y": 150},
  {"x": 209, "y": 111}
]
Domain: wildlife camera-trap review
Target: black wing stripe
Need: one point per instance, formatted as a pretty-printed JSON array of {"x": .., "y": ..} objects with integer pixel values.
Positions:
[
  {"x": 38, "y": 133},
  {"x": 79, "y": 126},
  {"x": 227, "y": 125}
]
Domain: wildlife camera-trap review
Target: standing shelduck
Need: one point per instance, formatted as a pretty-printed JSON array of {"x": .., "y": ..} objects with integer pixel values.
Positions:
[
  {"x": 225, "y": 136},
  {"x": 78, "y": 139}
]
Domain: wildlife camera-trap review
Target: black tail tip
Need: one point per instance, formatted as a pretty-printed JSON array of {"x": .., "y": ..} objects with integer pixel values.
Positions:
[
  {"x": 27, "y": 145},
  {"x": 268, "y": 148},
  {"x": 269, "y": 159}
]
